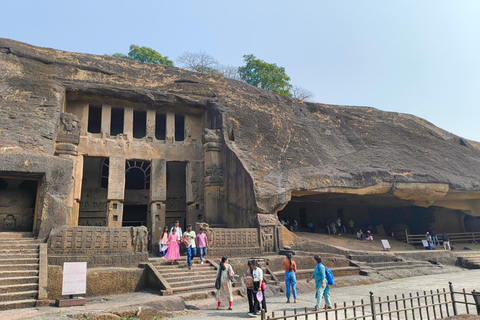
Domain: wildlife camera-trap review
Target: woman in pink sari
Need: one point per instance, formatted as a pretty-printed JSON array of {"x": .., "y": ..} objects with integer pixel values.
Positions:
[{"x": 173, "y": 252}]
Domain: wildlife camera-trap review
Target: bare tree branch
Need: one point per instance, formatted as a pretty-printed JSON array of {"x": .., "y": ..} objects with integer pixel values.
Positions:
[{"x": 300, "y": 93}]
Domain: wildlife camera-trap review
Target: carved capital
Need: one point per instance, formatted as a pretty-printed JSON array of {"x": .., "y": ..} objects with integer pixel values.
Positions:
[
  {"x": 212, "y": 140},
  {"x": 213, "y": 176},
  {"x": 68, "y": 130}
]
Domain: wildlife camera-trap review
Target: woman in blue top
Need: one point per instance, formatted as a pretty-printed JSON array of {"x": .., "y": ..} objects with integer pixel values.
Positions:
[{"x": 321, "y": 283}]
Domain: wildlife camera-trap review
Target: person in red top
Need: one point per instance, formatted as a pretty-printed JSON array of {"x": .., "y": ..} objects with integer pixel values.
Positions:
[{"x": 290, "y": 277}]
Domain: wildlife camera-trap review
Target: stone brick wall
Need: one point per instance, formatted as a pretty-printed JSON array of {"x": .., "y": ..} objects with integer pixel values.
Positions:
[
  {"x": 233, "y": 242},
  {"x": 98, "y": 246}
]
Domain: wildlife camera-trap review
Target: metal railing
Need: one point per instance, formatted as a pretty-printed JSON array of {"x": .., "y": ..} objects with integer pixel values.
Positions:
[
  {"x": 419, "y": 306},
  {"x": 453, "y": 237}
]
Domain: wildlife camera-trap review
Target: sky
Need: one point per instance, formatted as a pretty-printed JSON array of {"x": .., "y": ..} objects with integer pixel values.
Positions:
[{"x": 415, "y": 57}]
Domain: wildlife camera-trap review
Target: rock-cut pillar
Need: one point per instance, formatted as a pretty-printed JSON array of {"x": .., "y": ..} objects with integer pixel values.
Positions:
[{"x": 213, "y": 176}]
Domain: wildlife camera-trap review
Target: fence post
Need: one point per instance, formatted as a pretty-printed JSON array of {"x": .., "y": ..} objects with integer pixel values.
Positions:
[
  {"x": 476, "y": 297},
  {"x": 372, "y": 305},
  {"x": 406, "y": 235},
  {"x": 453, "y": 299}
]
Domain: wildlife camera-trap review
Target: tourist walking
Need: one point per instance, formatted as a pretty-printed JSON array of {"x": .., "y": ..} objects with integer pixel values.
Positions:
[
  {"x": 173, "y": 246},
  {"x": 202, "y": 244},
  {"x": 163, "y": 242},
  {"x": 258, "y": 286},
  {"x": 429, "y": 241},
  {"x": 434, "y": 237},
  {"x": 250, "y": 291},
  {"x": 178, "y": 229},
  {"x": 446, "y": 241},
  {"x": 224, "y": 294},
  {"x": 321, "y": 284},
  {"x": 190, "y": 237},
  {"x": 290, "y": 276}
]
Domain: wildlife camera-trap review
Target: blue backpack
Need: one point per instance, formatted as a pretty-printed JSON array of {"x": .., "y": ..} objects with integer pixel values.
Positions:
[{"x": 329, "y": 275}]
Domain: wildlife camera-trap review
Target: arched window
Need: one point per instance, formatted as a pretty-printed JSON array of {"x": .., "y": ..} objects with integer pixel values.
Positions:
[{"x": 137, "y": 175}]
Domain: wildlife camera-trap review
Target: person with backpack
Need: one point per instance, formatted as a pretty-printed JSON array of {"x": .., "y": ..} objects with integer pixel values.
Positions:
[
  {"x": 290, "y": 277},
  {"x": 321, "y": 283}
]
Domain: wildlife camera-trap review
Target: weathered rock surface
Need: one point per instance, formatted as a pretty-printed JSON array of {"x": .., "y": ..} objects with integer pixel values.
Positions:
[{"x": 287, "y": 146}]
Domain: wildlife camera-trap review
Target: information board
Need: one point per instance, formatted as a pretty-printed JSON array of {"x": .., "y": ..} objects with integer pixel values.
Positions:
[
  {"x": 386, "y": 244},
  {"x": 74, "y": 278}
]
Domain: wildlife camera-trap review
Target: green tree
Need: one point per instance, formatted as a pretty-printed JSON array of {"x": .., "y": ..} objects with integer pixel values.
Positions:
[
  {"x": 265, "y": 75},
  {"x": 145, "y": 55}
]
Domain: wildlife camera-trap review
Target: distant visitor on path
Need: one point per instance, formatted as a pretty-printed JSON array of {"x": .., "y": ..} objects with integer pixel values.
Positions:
[
  {"x": 202, "y": 244},
  {"x": 173, "y": 247},
  {"x": 311, "y": 227},
  {"x": 446, "y": 241},
  {"x": 224, "y": 294},
  {"x": 162, "y": 243},
  {"x": 190, "y": 237},
  {"x": 351, "y": 226},
  {"x": 290, "y": 276},
  {"x": 321, "y": 284}
]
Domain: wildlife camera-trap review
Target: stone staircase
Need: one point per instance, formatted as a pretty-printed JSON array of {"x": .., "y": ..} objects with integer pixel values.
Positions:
[
  {"x": 19, "y": 271},
  {"x": 470, "y": 260},
  {"x": 189, "y": 284},
  {"x": 392, "y": 266}
]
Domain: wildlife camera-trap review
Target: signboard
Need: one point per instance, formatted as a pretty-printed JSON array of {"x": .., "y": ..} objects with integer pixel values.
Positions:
[
  {"x": 386, "y": 244},
  {"x": 425, "y": 243},
  {"x": 74, "y": 278}
]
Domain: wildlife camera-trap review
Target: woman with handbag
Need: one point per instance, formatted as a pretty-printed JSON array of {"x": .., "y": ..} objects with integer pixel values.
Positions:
[
  {"x": 224, "y": 290},
  {"x": 258, "y": 287},
  {"x": 250, "y": 293}
]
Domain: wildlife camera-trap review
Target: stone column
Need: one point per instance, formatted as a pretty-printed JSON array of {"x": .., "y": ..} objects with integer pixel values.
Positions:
[
  {"x": 158, "y": 198},
  {"x": 170, "y": 127},
  {"x": 106, "y": 120},
  {"x": 67, "y": 140},
  {"x": 151, "y": 115},
  {"x": 116, "y": 191},
  {"x": 128, "y": 123},
  {"x": 213, "y": 178}
]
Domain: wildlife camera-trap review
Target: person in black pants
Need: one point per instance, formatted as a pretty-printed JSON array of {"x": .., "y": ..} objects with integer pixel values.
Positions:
[{"x": 250, "y": 290}]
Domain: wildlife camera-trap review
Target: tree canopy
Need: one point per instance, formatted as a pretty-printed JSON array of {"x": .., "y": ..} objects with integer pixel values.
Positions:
[
  {"x": 145, "y": 55},
  {"x": 265, "y": 75}
]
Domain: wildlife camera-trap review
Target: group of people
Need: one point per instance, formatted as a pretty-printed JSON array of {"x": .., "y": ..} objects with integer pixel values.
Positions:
[
  {"x": 291, "y": 224},
  {"x": 432, "y": 239},
  {"x": 368, "y": 236},
  {"x": 169, "y": 243},
  {"x": 256, "y": 285}
]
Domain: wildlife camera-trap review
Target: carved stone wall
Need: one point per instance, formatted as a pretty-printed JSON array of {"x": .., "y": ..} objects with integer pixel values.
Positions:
[
  {"x": 270, "y": 233},
  {"x": 98, "y": 246},
  {"x": 231, "y": 242}
]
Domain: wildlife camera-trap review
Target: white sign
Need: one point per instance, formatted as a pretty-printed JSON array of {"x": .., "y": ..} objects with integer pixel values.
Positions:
[
  {"x": 74, "y": 278},
  {"x": 386, "y": 244},
  {"x": 425, "y": 243}
]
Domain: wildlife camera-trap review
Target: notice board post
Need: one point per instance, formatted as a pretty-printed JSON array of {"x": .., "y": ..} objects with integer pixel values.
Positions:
[{"x": 74, "y": 283}]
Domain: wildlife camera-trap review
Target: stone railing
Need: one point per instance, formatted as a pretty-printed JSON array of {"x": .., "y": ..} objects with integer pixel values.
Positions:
[
  {"x": 232, "y": 242},
  {"x": 98, "y": 246}
]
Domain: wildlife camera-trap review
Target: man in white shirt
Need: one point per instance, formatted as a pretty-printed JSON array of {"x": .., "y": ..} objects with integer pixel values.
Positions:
[{"x": 179, "y": 230}]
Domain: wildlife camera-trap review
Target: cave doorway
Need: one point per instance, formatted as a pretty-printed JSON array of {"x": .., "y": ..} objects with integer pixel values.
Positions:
[
  {"x": 134, "y": 215},
  {"x": 381, "y": 213},
  {"x": 137, "y": 194},
  {"x": 18, "y": 202},
  {"x": 176, "y": 206}
]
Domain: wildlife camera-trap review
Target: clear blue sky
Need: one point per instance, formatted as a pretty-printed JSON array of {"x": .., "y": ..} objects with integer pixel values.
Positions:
[{"x": 417, "y": 57}]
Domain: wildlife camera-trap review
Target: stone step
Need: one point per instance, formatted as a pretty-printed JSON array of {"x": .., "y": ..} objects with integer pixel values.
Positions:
[
  {"x": 202, "y": 268},
  {"x": 18, "y": 260},
  {"x": 19, "y": 251},
  {"x": 204, "y": 294},
  {"x": 18, "y": 242},
  {"x": 18, "y": 273},
  {"x": 16, "y": 235},
  {"x": 25, "y": 287},
  {"x": 181, "y": 273},
  {"x": 189, "y": 276},
  {"x": 192, "y": 283},
  {"x": 16, "y": 256},
  {"x": 399, "y": 264},
  {"x": 19, "y": 267},
  {"x": 19, "y": 304},
  {"x": 419, "y": 265},
  {"x": 18, "y": 280},
  {"x": 194, "y": 288},
  {"x": 24, "y": 295},
  {"x": 374, "y": 258},
  {"x": 163, "y": 262}
]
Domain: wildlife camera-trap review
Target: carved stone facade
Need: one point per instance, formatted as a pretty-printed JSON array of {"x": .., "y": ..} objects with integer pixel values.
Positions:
[
  {"x": 270, "y": 233},
  {"x": 98, "y": 246}
]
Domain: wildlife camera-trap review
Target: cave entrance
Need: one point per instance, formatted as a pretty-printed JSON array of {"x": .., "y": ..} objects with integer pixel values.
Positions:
[
  {"x": 382, "y": 213},
  {"x": 18, "y": 197},
  {"x": 176, "y": 207},
  {"x": 137, "y": 193}
]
